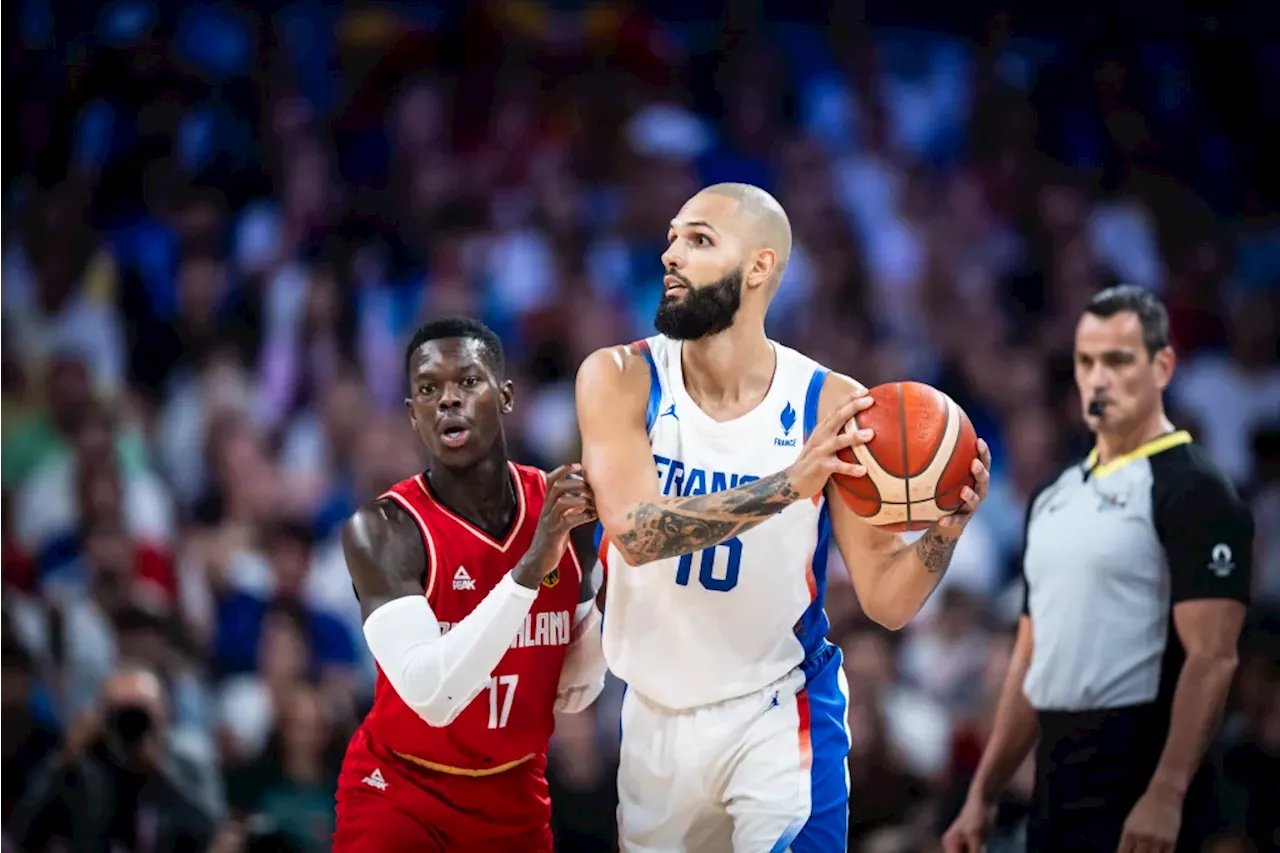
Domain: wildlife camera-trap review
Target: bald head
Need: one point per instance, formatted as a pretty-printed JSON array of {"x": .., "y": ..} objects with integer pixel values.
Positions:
[{"x": 764, "y": 223}]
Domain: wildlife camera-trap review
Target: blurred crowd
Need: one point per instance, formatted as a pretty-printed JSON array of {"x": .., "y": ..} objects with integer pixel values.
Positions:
[{"x": 222, "y": 223}]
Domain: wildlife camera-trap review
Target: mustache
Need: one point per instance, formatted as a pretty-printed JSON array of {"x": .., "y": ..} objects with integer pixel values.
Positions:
[{"x": 680, "y": 278}]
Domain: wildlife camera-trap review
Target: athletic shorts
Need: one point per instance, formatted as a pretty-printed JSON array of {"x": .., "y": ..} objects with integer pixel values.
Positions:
[
  {"x": 762, "y": 772},
  {"x": 387, "y": 803}
]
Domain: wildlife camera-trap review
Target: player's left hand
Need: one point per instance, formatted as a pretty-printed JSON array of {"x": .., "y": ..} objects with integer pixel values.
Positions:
[
  {"x": 1152, "y": 826},
  {"x": 981, "y": 470}
]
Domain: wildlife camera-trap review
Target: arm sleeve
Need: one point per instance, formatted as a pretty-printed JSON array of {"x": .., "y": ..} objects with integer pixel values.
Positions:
[
  {"x": 1207, "y": 534},
  {"x": 437, "y": 675},
  {"x": 582, "y": 676}
]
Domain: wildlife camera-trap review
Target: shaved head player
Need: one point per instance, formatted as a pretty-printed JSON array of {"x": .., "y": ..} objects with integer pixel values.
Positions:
[
  {"x": 478, "y": 615},
  {"x": 708, "y": 448}
]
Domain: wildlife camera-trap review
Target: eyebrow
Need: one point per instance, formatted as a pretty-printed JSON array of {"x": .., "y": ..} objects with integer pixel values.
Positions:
[{"x": 694, "y": 223}]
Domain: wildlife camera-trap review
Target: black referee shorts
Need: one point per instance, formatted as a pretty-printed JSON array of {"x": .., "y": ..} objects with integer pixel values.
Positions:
[{"x": 1091, "y": 768}]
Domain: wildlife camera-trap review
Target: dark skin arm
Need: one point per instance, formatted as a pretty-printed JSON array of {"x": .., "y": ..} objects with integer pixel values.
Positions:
[{"x": 385, "y": 555}]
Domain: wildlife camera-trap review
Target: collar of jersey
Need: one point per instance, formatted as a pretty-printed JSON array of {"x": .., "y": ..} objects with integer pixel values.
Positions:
[{"x": 1151, "y": 448}]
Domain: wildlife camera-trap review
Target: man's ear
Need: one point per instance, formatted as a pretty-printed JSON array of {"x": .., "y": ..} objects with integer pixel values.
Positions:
[
  {"x": 1165, "y": 362},
  {"x": 760, "y": 273},
  {"x": 508, "y": 392}
]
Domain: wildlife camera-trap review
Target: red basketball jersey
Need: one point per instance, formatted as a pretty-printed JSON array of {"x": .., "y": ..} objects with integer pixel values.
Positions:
[{"x": 512, "y": 718}]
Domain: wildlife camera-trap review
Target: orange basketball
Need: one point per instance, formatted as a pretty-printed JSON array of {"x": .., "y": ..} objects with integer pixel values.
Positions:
[{"x": 918, "y": 461}]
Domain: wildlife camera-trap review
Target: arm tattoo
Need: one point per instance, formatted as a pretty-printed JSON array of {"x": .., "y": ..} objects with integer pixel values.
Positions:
[
  {"x": 669, "y": 528},
  {"x": 934, "y": 550}
]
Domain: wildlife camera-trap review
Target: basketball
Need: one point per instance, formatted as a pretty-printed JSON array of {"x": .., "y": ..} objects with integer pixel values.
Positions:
[{"x": 918, "y": 461}]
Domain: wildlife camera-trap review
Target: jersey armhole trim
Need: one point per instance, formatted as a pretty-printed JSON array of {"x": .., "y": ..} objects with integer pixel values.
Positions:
[
  {"x": 655, "y": 386},
  {"x": 811, "y": 398},
  {"x": 577, "y": 564},
  {"x": 404, "y": 504}
]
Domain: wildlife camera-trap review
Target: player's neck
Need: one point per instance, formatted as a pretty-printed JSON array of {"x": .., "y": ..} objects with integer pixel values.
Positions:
[
  {"x": 735, "y": 365},
  {"x": 482, "y": 494},
  {"x": 1113, "y": 444}
]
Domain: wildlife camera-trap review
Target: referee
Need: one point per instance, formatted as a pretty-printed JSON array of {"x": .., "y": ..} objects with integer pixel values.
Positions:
[{"x": 1137, "y": 568}]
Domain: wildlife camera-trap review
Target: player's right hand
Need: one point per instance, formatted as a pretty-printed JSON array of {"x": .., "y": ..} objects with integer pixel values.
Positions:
[
  {"x": 818, "y": 460},
  {"x": 569, "y": 504},
  {"x": 968, "y": 832}
]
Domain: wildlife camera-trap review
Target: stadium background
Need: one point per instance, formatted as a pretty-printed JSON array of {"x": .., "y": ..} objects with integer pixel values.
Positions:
[{"x": 221, "y": 223}]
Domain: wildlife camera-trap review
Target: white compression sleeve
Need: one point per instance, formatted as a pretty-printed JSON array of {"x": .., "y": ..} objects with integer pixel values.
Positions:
[
  {"x": 582, "y": 675},
  {"x": 437, "y": 675}
]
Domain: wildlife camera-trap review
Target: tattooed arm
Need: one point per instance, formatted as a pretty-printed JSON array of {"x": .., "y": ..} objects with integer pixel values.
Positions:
[
  {"x": 893, "y": 579},
  {"x": 613, "y": 394}
]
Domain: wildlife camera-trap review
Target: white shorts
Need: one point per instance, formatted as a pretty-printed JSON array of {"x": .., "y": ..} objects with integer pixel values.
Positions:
[{"x": 762, "y": 773}]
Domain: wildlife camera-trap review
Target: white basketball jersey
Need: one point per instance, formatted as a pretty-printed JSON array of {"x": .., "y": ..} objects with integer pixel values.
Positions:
[{"x": 729, "y": 620}]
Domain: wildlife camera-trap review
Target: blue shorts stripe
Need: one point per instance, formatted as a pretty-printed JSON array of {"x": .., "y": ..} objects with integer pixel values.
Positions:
[
  {"x": 827, "y": 829},
  {"x": 813, "y": 626}
]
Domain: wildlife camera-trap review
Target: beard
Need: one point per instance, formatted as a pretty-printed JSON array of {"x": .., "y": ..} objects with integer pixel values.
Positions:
[{"x": 704, "y": 311}]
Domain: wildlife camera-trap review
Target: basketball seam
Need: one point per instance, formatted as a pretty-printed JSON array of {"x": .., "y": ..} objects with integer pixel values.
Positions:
[
  {"x": 937, "y": 447},
  {"x": 906, "y": 461}
]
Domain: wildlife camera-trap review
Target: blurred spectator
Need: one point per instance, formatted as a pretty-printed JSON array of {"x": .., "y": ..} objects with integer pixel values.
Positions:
[
  {"x": 113, "y": 781},
  {"x": 882, "y": 791},
  {"x": 28, "y": 739},
  {"x": 1266, "y": 514},
  {"x": 946, "y": 655},
  {"x": 290, "y": 789},
  {"x": 1232, "y": 394},
  {"x": 1252, "y": 759},
  {"x": 256, "y": 587},
  {"x": 59, "y": 292},
  {"x": 970, "y": 740},
  {"x": 93, "y": 482},
  {"x": 51, "y": 432}
]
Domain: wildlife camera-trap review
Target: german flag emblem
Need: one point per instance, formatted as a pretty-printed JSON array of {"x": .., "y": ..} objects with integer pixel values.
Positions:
[{"x": 552, "y": 579}]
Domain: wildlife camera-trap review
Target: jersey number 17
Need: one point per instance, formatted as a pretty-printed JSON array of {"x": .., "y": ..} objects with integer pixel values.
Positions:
[
  {"x": 707, "y": 565},
  {"x": 502, "y": 692}
]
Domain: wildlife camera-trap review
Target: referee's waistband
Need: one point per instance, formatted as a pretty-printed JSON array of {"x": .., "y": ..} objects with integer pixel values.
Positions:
[{"x": 1126, "y": 722}]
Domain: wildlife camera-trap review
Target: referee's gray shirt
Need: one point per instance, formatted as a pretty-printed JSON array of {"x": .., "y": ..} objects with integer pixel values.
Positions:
[{"x": 1110, "y": 549}]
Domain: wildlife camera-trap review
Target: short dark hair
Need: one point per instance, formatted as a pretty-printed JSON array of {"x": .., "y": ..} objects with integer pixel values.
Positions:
[
  {"x": 1150, "y": 310},
  {"x": 458, "y": 327}
]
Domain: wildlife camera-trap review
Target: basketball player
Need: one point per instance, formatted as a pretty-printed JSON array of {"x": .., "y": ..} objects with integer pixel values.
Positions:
[
  {"x": 709, "y": 448},
  {"x": 479, "y": 618}
]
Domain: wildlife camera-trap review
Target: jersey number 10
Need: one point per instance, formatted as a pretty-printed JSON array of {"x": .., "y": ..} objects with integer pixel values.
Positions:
[{"x": 707, "y": 575}]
